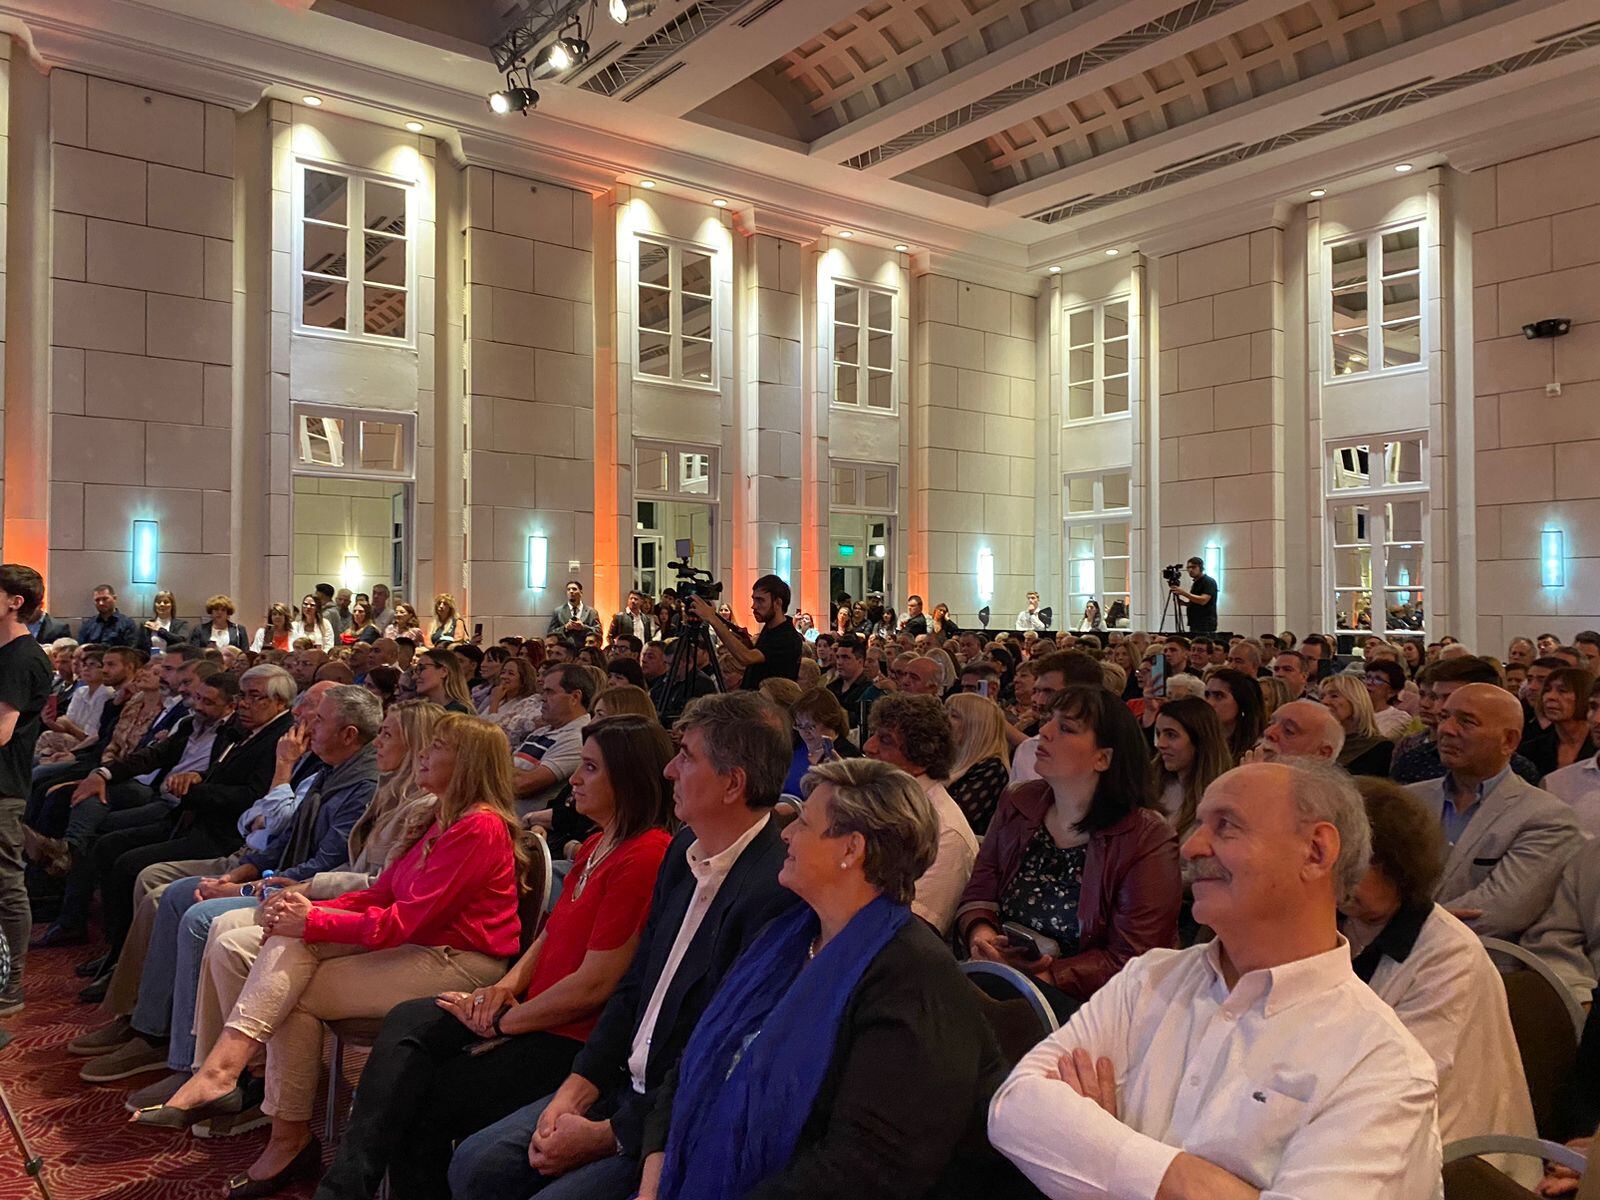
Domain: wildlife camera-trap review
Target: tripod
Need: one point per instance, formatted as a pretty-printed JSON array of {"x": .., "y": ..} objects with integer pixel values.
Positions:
[
  {"x": 681, "y": 669},
  {"x": 32, "y": 1163},
  {"x": 1173, "y": 609}
]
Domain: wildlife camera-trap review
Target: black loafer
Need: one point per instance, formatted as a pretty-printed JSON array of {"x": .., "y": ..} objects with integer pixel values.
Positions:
[
  {"x": 305, "y": 1165},
  {"x": 92, "y": 969},
  {"x": 164, "y": 1116}
]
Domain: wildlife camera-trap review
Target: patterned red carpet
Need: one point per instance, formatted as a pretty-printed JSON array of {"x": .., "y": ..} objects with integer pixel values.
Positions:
[{"x": 81, "y": 1130}]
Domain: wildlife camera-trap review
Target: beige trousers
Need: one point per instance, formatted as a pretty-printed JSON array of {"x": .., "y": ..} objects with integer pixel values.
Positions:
[
  {"x": 287, "y": 988},
  {"x": 123, "y": 992}
]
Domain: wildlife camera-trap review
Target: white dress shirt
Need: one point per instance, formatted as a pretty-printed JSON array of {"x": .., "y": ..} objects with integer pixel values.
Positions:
[
  {"x": 1299, "y": 1081},
  {"x": 1027, "y": 620},
  {"x": 1578, "y": 786},
  {"x": 1024, "y": 761},
  {"x": 939, "y": 890},
  {"x": 709, "y": 871},
  {"x": 1448, "y": 993}
]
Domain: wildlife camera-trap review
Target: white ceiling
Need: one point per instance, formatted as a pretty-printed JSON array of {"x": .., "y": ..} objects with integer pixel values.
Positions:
[{"x": 1021, "y": 132}]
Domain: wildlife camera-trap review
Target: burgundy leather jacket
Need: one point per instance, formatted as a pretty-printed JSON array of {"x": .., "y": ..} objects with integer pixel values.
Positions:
[{"x": 1130, "y": 895}]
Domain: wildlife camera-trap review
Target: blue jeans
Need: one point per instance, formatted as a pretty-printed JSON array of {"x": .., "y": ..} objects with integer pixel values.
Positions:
[
  {"x": 171, "y": 978},
  {"x": 492, "y": 1164}
]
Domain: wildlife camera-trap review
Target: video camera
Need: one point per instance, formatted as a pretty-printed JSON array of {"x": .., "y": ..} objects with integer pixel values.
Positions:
[
  {"x": 693, "y": 581},
  {"x": 1173, "y": 575}
]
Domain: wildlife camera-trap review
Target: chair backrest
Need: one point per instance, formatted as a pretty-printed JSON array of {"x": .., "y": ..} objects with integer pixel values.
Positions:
[
  {"x": 537, "y": 881},
  {"x": 1545, "y": 1041},
  {"x": 1524, "y": 957},
  {"x": 1013, "y": 1005},
  {"x": 1474, "y": 1179}
]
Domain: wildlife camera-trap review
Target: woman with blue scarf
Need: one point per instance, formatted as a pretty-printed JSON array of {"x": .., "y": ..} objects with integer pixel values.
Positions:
[{"x": 845, "y": 1054}]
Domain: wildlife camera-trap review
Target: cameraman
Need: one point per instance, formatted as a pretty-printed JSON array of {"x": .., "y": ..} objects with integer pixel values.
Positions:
[
  {"x": 776, "y": 654},
  {"x": 1200, "y": 601}
]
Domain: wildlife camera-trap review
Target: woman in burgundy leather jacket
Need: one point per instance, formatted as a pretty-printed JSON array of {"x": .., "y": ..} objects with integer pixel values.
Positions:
[{"x": 1078, "y": 856}]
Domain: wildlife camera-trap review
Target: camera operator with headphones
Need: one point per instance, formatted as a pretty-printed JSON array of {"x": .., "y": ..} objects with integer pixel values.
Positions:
[
  {"x": 776, "y": 654},
  {"x": 1199, "y": 600}
]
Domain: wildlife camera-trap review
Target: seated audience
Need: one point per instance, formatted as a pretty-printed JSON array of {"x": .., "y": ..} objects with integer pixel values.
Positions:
[
  {"x": 625, "y": 699},
  {"x": 427, "y": 1083},
  {"x": 549, "y": 755},
  {"x": 1300, "y": 729},
  {"x": 514, "y": 702},
  {"x": 823, "y": 731},
  {"x": 277, "y": 633},
  {"x": 1418, "y": 759},
  {"x": 1365, "y": 751},
  {"x": 1433, "y": 971},
  {"x": 980, "y": 770},
  {"x": 440, "y": 677},
  {"x": 717, "y": 888},
  {"x": 1508, "y": 839},
  {"x": 1236, "y": 699},
  {"x": 623, "y": 670},
  {"x": 219, "y": 629},
  {"x": 442, "y": 918},
  {"x": 1077, "y": 857},
  {"x": 1052, "y": 673},
  {"x": 1385, "y": 681},
  {"x": 1191, "y": 753},
  {"x": 862, "y": 1041},
  {"x": 1568, "y": 738},
  {"x": 1578, "y": 786},
  {"x": 913, "y": 734},
  {"x": 1349, "y": 1112}
]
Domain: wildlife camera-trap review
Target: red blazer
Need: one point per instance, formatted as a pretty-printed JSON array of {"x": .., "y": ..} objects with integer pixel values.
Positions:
[{"x": 1130, "y": 896}]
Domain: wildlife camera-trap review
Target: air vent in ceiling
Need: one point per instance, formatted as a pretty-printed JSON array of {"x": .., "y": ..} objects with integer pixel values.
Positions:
[
  {"x": 653, "y": 80},
  {"x": 1184, "y": 162},
  {"x": 755, "y": 14},
  {"x": 1402, "y": 87},
  {"x": 683, "y": 30}
]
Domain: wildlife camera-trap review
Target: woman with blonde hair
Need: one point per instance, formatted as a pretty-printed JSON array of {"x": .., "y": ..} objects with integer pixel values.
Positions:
[
  {"x": 441, "y": 917},
  {"x": 440, "y": 675},
  {"x": 1274, "y": 695},
  {"x": 447, "y": 626},
  {"x": 981, "y": 769},
  {"x": 625, "y": 699},
  {"x": 278, "y": 632},
  {"x": 514, "y": 701},
  {"x": 404, "y": 625},
  {"x": 1366, "y": 751}
]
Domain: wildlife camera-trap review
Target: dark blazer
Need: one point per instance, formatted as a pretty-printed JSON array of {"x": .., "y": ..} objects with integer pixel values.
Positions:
[
  {"x": 200, "y": 635},
  {"x": 586, "y": 614},
  {"x": 318, "y": 839},
  {"x": 749, "y": 897},
  {"x": 175, "y": 633},
  {"x": 915, "y": 625},
  {"x": 1130, "y": 894},
  {"x": 51, "y": 630},
  {"x": 645, "y": 619},
  {"x": 912, "y": 1070}
]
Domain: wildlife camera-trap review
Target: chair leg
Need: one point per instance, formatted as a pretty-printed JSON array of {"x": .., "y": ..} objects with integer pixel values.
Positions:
[{"x": 335, "y": 1079}]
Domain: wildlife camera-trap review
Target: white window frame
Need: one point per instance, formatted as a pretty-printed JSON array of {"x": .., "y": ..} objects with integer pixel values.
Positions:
[
  {"x": 351, "y": 437},
  {"x": 678, "y": 478},
  {"x": 889, "y": 512},
  {"x": 864, "y": 370},
  {"x": 675, "y": 336},
  {"x": 1097, "y": 348},
  {"x": 1099, "y": 517},
  {"x": 1375, "y": 281},
  {"x": 1376, "y": 496},
  {"x": 355, "y": 256}
]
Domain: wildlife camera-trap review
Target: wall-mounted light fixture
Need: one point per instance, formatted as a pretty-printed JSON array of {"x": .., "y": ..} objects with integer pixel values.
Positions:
[
  {"x": 538, "y": 561},
  {"x": 1214, "y": 562},
  {"x": 783, "y": 560},
  {"x": 1552, "y": 558},
  {"x": 146, "y": 551},
  {"x": 986, "y": 574},
  {"x": 350, "y": 577}
]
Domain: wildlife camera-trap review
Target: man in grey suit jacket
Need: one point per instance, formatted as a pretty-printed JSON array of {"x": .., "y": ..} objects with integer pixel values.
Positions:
[
  {"x": 574, "y": 620},
  {"x": 1568, "y": 935},
  {"x": 1508, "y": 839}
]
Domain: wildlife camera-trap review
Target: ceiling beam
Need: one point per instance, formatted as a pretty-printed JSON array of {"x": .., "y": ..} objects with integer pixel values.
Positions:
[
  {"x": 730, "y": 53},
  {"x": 1203, "y": 32},
  {"x": 1446, "y": 52}
]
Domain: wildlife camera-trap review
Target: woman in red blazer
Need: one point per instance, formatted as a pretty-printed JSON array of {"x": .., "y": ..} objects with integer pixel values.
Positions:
[{"x": 1078, "y": 857}]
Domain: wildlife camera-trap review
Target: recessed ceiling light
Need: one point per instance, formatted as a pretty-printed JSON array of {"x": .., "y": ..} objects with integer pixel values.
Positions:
[
  {"x": 313, "y": 101},
  {"x": 1113, "y": 252},
  {"x": 1402, "y": 168},
  {"x": 719, "y": 202},
  {"x": 845, "y": 233},
  {"x": 647, "y": 183},
  {"x": 414, "y": 126},
  {"x": 901, "y": 247},
  {"x": 1055, "y": 270},
  {"x": 1318, "y": 193}
]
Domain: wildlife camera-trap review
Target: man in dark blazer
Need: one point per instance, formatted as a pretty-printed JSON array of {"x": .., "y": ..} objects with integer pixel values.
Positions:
[
  {"x": 47, "y": 629},
  {"x": 635, "y": 620},
  {"x": 574, "y": 619},
  {"x": 716, "y": 889}
]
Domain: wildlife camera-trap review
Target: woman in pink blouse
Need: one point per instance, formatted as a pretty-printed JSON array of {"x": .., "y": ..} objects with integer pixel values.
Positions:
[{"x": 442, "y": 917}]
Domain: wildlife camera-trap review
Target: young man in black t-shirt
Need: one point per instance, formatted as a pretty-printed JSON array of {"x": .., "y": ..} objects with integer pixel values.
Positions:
[
  {"x": 1199, "y": 599},
  {"x": 24, "y": 689},
  {"x": 776, "y": 653}
]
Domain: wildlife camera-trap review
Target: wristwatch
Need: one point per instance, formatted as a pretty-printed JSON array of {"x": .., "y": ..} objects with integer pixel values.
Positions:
[{"x": 249, "y": 889}]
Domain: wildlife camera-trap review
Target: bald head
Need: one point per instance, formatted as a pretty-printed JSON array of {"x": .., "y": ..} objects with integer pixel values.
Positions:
[
  {"x": 1302, "y": 729},
  {"x": 1480, "y": 726},
  {"x": 924, "y": 677}
]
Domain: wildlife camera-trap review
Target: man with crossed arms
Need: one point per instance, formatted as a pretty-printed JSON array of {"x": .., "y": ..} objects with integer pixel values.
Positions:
[{"x": 1256, "y": 1065}]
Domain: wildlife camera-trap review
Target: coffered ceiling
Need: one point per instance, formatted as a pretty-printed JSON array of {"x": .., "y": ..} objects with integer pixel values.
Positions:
[{"x": 1024, "y": 131}]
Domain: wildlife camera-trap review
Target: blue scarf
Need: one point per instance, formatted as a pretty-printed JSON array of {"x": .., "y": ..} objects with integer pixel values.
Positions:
[{"x": 755, "y": 1062}]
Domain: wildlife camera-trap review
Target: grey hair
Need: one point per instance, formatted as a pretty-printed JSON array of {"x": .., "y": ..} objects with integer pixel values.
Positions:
[
  {"x": 65, "y": 643},
  {"x": 747, "y": 731},
  {"x": 358, "y": 707},
  {"x": 279, "y": 683},
  {"x": 1323, "y": 792},
  {"x": 892, "y": 814},
  {"x": 1185, "y": 685}
]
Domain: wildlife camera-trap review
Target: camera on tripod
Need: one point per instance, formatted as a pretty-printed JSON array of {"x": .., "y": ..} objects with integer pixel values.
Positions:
[
  {"x": 1173, "y": 574},
  {"x": 693, "y": 581}
]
